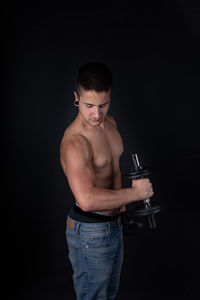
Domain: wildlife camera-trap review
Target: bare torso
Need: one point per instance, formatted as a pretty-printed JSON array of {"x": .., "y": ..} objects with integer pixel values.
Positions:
[{"x": 106, "y": 146}]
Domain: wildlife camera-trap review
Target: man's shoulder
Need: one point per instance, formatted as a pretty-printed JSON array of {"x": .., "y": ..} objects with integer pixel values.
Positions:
[
  {"x": 74, "y": 141},
  {"x": 111, "y": 120}
]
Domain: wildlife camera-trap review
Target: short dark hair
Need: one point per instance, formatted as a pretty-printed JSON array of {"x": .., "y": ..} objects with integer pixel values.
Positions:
[{"x": 94, "y": 76}]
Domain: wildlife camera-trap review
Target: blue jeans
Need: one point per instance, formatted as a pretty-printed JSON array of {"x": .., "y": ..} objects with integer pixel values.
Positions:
[{"x": 96, "y": 255}]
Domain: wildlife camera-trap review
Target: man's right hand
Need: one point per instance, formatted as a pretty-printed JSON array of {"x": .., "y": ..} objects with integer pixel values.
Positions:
[{"x": 143, "y": 187}]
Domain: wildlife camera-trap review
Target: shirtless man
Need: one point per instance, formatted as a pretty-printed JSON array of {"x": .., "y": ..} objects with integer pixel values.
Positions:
[{"x": 90, "y": 153}]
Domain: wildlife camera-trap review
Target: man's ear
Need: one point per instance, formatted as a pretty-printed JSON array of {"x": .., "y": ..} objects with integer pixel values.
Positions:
[{"x": 76, "y": 95}]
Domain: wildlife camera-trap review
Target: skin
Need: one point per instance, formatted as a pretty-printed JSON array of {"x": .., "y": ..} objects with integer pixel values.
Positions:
[{"x": 90, "y": 153}]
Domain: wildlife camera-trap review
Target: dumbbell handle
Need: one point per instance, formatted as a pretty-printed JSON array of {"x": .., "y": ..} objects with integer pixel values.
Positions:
[
  {"x": 136, "y": 162},
  {"x": 137, "y": 166}
]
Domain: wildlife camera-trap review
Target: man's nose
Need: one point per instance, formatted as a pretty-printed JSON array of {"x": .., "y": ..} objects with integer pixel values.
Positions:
[{"x": 96, "y": 112}]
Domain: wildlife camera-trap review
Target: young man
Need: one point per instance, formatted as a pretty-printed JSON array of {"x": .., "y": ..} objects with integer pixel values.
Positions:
[{"x": 90, "y": 152}]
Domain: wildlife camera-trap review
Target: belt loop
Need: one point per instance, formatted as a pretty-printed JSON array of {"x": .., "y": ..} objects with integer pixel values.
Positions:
[
  {"x": 79, "y": 225},
  {"x": 76, "y": 226}
]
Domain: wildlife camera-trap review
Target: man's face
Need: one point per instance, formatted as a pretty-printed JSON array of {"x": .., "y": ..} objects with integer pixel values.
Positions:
[{"x": 93, "y": 106}]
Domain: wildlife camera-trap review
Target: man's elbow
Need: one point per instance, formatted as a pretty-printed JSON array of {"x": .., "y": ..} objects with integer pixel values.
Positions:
[{"x": 85, "y": 203}]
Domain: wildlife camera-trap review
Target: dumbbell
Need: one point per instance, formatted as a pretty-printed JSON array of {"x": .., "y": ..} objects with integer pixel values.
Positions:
[{"x": 147, "y": 209}]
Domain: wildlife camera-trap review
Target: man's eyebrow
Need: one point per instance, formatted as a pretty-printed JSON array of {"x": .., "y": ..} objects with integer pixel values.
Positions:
[
  {"x": 105, "y": 103},
  {"x": 96, "y": 105}
]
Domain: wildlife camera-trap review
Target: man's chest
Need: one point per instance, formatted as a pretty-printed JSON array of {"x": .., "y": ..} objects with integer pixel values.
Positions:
[{"x": 105, "y": 148}]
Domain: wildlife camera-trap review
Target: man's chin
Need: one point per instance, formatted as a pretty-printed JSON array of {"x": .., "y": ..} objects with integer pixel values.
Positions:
[{"x": 95, "y": 123}]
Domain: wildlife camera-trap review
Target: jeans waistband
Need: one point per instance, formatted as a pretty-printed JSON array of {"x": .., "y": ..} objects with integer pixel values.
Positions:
[
  {"x": 75, "y": 225},
  {"x": 78, "y": 214}
]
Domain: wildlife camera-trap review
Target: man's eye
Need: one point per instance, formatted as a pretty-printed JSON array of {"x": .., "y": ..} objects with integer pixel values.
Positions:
[
  {"x": 89, "y": 105},
  {"x": 102, "y": 105}
]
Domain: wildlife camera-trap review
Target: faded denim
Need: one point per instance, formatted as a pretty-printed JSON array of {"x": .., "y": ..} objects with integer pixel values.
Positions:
[{"x": 96, "y": 255}]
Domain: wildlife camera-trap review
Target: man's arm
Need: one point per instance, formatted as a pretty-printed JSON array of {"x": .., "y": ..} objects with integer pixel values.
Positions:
[{"x": 76, "y": 158}]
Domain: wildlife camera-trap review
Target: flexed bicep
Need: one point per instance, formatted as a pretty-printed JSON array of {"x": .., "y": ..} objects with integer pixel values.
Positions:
[{"x": 76, "y": 160}]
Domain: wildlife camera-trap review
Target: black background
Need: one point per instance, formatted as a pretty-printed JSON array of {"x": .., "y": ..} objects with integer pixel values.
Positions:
[{"x": 152, "y": 48}]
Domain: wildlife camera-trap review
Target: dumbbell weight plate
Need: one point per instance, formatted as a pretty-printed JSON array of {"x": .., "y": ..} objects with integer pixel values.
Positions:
[
  {"x": 145, "y": 211},
  {"x": 136, "y": 174}
]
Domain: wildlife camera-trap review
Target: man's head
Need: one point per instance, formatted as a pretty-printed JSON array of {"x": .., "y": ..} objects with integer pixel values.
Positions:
[
  {"x": 94, "y": 76},
  {"x": 93, "y": 91}
]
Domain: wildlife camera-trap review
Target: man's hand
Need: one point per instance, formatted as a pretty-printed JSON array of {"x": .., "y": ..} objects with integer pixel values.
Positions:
[{"x": 143, "y": 187}]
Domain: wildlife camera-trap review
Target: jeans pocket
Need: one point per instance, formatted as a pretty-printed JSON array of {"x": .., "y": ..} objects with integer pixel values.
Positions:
[{"x": 95, "y": 240}]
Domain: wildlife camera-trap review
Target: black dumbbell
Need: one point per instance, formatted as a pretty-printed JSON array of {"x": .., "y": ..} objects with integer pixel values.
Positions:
[{"x": 148, "y": 209}]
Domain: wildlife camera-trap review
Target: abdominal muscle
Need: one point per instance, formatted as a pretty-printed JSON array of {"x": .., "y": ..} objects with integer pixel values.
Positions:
[
  {"x": 106, "y": 212},
  {"x": 103, "y": 179}
]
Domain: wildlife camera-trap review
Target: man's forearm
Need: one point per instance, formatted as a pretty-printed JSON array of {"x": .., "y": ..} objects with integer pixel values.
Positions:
[{"x": 99, "y": 199}]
